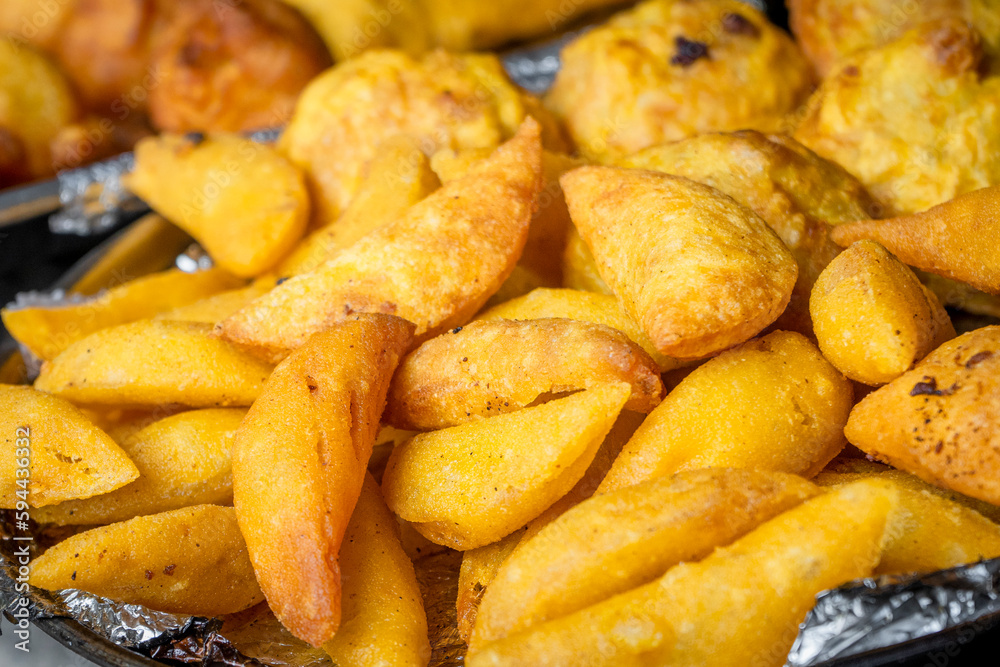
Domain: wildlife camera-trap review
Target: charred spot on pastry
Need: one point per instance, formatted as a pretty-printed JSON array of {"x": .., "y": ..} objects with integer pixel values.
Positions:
[
  {"x": 688, "y": 51},
  {"x": 928, "y": 387},
  {"x": 195, "y": 138},
  {"x": 978, "y": 358},
  {"x": 737, "y": 24}
]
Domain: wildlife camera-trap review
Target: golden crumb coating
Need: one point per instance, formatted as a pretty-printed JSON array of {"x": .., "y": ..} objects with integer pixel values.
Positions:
[{"x": 669, "y": 69}]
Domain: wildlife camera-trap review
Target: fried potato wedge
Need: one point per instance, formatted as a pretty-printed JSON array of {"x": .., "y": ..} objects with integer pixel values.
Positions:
[
  {"x": 187, "y": 561},
  {"x": 383, "y": 620},
  {"x": 926, "y": 532},
  {"x": 872, "y": 317},
  {"x": 398, "y": 177},
  {"x": 183, "y": 460},
  {"x": 435, "y": 266},
  {"x": 243, "y": 201},
  {"x": 959, "y": 239},
  {"x": 796, "y": 192},
  {"x": 578, "y": 305},
  {"x": 63, "y": 453},
  {"x": 617, "y": 541},
  {"x": 300, "y": 459},
  {"x": 218, "y": 307},
  {"x": 771, "y": 575},
  {"x": 441, "y": 100},
  {"x": 772, "y": 404},
  {"x": 937, "y": 420},
  {"x": 491, "y": 367},
  {"x": 48, "y": 330},
  {"x": 471, "y": 485},
  {"x": 154, "y": 362},
  {"x": 696, "y": 270}
]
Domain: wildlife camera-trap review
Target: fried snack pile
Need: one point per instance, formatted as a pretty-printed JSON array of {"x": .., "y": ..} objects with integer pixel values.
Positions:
[
  {"x": 126, "y": 66},
  {"x": 627, "y": 397},
  {"x": 669, "y": 69}
]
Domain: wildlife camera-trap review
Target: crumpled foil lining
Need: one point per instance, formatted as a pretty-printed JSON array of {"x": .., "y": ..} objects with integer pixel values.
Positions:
[
  {"x": 874, "y": 613},
  {"x": 850, "y": 621},
  {"x": 252, "y": 638}
]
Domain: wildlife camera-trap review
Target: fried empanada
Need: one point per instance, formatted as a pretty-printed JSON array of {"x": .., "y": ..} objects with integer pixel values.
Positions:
[{"x": 696, "y": 270}]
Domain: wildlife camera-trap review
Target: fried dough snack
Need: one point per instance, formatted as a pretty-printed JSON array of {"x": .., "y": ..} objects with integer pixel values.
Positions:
[
  {"x": 829, "y": 30},
  {"x": 35, "y": 104},
  {"x": 959, "y": 239},
  {"x": 183, "y": 460},
  {"x": 384, "y": 622},
  {"x": 188, "y": 561},
  {"x": 435, "y": 266},
  {"x": 103, "y": 46},
  {"x": 938, "y": 420},
  {"x": 669, "y": 69},
  {"x": 614, "y": 542},
  {"x": 352, "y": 26},
  {"x": 926, "y": 532},
  {"x": 696, "y": 270},
  {"x": 493, "y": 367},
  {"x": 686, "y": 617},
  {"x": 576, "y": 305},
  {"x": 796, "y": 192},
  {"x": 299, "y": 462},
  {"x": 67, "y": 456},
  {"x": 913, "y": 120},
  {"x": 473, "y": 484},
  {"x": 717, "y": 416},
  {"x": 232, "y": 66},
  {"x": 155, "y": 362},
  {"x": 243, "y": 201},
  {"x": 48, "y": 330},
  {"x": 442, "y": 100},
  {"x": 398, "y": 177},
  {"x": 873, "y": 319},
  {"x": 192, "y": 64}
]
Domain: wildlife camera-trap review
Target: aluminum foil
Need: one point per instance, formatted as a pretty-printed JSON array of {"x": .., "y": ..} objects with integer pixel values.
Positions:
[
  {"x": 851, "y": 621},
  {"x": 872, "y": 614},
  {"x": 253, "y": 638}
]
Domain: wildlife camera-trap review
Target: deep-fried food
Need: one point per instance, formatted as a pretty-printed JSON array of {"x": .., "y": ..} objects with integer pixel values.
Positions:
[
  {"x": 669, "y": 69},
  {"x": 913, "y": 120},
  {"x": 938, "y": 420},
  {"x": 795, "y": 191},
  {"x": 231, "y": 66},
  {"x": 697, "y": 271},
  {"x": 959, "y": 239},
  {"x": 435, "y": 266},
  {"x": 493, "y": 367},
  {"x": 773, "y": 403},
  {"x": 299, "y": 462},
  {"x": 35, "y": 104},
  {"x": 442, "y": 100},
  {"x": 829, "y": 30},
  {"x": 873, "y": 319}
]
